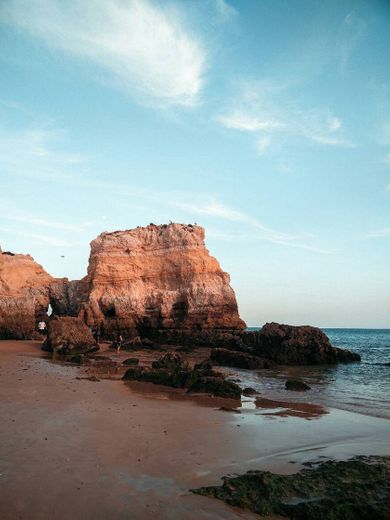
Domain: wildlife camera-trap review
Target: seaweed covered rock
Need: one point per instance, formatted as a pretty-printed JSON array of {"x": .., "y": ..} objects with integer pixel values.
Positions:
[
  {"x": 215, "y": 385},
  {"x": 170, "y": 361},
  {"x": 136, "y": 343},
  {"x": 357, "y": 489},
  {"x": 69, "y": 336},
  {"x": 232, "y": 358},
  {"x": 171, "y": 370}
]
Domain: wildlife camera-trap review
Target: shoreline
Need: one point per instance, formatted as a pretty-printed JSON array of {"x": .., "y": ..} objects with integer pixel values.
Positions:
[{"x": 112, "y": 449}]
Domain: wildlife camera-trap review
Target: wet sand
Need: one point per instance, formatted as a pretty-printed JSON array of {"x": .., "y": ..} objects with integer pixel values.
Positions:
[{"x": 74, "y": 448}]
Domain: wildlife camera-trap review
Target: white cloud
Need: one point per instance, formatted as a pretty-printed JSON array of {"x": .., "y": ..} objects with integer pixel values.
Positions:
[
  {"x": 246, "y": 122},
  {"x": 145, "y": 48}
]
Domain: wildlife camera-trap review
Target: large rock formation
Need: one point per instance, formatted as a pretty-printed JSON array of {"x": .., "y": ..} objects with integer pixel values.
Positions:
[
  {"x": 24, "y": 295},
  {"x": 156, "y": 282},
  {"x": 156, "y": 277},
  {"x": 138, "y": 281}
]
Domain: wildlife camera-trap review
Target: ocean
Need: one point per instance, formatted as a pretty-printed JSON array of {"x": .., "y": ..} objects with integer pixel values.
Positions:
[{"x": 359, "y": 387}]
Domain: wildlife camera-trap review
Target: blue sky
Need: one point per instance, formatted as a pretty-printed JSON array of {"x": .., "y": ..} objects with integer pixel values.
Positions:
[{"x": 267, "y": 122}]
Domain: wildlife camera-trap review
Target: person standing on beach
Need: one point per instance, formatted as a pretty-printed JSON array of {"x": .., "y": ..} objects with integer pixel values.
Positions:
[
  {"x": 96, "y": 333},
  {"x": 119, "y": 343},
  {"x": 42, "y": 327}
]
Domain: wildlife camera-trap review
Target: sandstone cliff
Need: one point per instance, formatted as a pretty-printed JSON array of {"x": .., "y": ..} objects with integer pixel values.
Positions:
[
  {"x": 24, "y": 294},
  {"x": 144, "y": 279},
  {"x": 156, "y": 277}
]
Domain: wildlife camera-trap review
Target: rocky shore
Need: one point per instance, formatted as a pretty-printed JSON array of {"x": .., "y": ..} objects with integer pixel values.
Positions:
[
  {"x": 117, "y": 447},
  {"x": 157, "y": 283},
  {"x": 157, "y": 311}
]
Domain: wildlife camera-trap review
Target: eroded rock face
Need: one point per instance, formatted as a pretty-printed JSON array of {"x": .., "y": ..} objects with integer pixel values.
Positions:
[
  {"x": 156, "y": 277},
  {"x": 24, "y": 295}
]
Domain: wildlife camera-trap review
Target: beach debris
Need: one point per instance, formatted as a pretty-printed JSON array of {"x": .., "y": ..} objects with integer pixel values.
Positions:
[{"x": 356, "y": 489}]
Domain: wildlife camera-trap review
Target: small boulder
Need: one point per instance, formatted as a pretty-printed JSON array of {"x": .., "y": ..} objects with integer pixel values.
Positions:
[
  {"x": 69, "y": 337},
  {"x": 296, "y": 386}
]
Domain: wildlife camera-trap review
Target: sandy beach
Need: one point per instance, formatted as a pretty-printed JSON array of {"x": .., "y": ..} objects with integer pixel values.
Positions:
[{"x": 75, "y": 448}]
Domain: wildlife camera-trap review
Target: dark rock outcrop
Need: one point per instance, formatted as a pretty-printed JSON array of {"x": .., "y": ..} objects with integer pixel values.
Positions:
[
  {"x": 232, "y": 358},
  {"x": 297, "y": 345},
  {"x": 171, "y": 370},
  {"x": 131, "y": 361},
  {"x": 346, "y": 356},
  {"x": 281, "y": 344},
  {"x": 69, "y": 337},
  {"x": 357, "y": 489},
  {"x": 296, "y": 386}
]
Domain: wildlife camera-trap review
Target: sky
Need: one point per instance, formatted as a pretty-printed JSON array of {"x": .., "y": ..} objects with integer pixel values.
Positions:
[{"x": 267, "y": 122}]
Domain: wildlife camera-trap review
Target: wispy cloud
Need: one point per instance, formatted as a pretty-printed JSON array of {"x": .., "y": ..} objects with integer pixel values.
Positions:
[
  {"x": 38, "y": 153},
  {"x": 214, "y": 208},
  {"x": 37, "y": 222},
  {"x": 247, "y": 122},
  {"x": 266, "y": 110},
  {"x": 225, "y": 11},
  {"x": 46, "y": 239},
  {"x": 145, "y": 47},
  {"x": 379, "y": 233}
]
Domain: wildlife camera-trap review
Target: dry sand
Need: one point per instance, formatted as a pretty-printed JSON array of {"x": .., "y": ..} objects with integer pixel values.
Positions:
[{"x": 77, "y": 449}]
